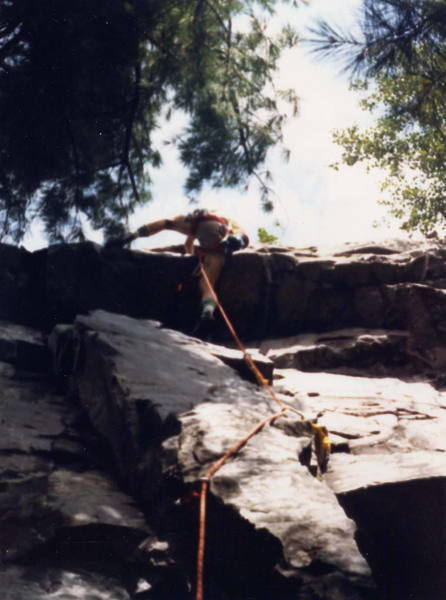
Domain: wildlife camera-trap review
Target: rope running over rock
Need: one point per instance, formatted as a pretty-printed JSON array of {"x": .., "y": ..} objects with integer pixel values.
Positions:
[{"x": 322, "y": 441}]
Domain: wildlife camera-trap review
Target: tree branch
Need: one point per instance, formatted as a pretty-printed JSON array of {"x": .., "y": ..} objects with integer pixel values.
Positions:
[
  {"x": 76, "y": 157},
  {"x": 129, "y": 132},
  {"x": 6, "y": 48}
]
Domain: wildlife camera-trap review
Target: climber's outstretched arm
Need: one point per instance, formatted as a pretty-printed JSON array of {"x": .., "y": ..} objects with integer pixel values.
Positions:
[{"x": 179, "y": 224}]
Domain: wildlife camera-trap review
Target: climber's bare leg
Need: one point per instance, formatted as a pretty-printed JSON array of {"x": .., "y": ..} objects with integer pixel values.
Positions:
[{"x": 213, "y": 264}]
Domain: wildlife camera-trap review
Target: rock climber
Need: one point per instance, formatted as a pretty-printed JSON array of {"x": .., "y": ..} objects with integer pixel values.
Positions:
[{"x": 217, "y": 238}]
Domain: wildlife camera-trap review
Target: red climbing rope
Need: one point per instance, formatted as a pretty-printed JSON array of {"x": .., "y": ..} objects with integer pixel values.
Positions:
[
  {"x": 258, "y": 375},
  {"x": 322, "y": 442},
  {"x": 204, "y": 489},
  {"x": 201, "y": 538}
]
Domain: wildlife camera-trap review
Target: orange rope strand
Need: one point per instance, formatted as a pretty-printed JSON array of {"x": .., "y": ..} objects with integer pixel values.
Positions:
[
  {"x": 204, "y": 489},
  {"x": 234, "y": 449},
  {"x": 201, "y": 539},
  {"x": 258, "y": 375},
  {"x": 239, "y": 445},
  {"x": 323, "y": 442}
]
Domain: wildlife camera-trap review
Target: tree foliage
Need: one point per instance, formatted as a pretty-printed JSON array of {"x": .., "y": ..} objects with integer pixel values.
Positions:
[
  {"x": 401, "y": 59},
  {"x": 85, "y": 84},
  {"x": 265, "y": 237}
]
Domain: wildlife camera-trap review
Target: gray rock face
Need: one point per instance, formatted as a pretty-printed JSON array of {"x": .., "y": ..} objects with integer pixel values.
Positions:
[
  {"x": 267, "y": 487},
  {"x": 61, "y": 514},
  {"x": 388, "y": 470},
  {"x": 19, "y": 583},
  {"x": 100, "y": 463},
  {"x": 199, "y": 413},
  {"x": 136, "y": 407},
  {"x": 378, "y": 351},
  {"x": 24, "y": 347},
  {"x": 38, "y": 492},
  {"x": 279, "y": 292}
]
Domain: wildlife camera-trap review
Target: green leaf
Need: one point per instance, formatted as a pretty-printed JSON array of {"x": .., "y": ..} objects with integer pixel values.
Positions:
[{"x": 265, "y": 237}]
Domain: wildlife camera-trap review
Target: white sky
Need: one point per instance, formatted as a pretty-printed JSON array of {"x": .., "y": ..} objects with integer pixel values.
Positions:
[{"x": 314, "y": 204}]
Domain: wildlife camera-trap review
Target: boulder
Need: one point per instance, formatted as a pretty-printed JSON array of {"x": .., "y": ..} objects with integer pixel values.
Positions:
[
  {"x": 47, "y": 480},
  {"x": 264, "y": 504},
  {"x": 115, "y": 356},
  {"x": 61, "y": 510}
]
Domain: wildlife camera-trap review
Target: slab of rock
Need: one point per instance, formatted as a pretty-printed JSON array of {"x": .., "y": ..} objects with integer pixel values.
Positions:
[
  {"x": 63, "y": 518},
  {"x": 388, "y": 471},
  {"x": 23, "y": 347},
  {"x": 400, "y": 522},
  {"x": 296, "y": 523},
  {"x": 279, "y": 291},
  {"x": 35, "y": 583},
  {"x": 346, "y": 350},
  {"x": 71, "y": 279},
  {"x": 144, "y": 386},
  {"x": 123, "y": 377},
  {"x": 47, "y": 479},
  {"x": 426, "y": 309},
  {"x": 374, "y": 415},
  {"x": 236, "y": 360}
]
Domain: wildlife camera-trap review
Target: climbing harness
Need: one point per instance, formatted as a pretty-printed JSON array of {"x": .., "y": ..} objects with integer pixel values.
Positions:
[
  {"x": 321, "y": 439},
  {"x": 217, "y": 234},
  {"x": 204, "y": 217},
  {"x": 213, "y": 235}
]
